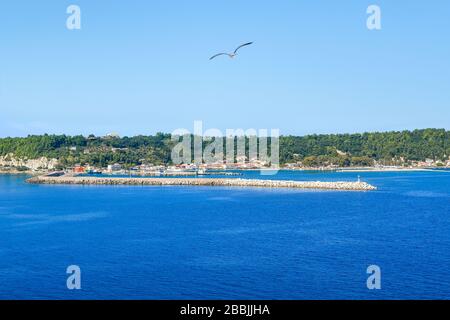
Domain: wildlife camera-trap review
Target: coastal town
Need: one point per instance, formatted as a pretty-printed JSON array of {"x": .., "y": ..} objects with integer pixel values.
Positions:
[
  {"x": 48, "y": 171},
  {"x": 244, "y": 164},
  {"x": 44, "y": 165},
  {"x": 11, "y": 164},
  {"x": 153, "y": 155}
]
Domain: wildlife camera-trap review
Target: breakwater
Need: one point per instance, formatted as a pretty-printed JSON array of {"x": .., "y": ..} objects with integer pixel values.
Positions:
[
  {"x": 179, "y": 174},
  {"x": 338, "y": 185}
]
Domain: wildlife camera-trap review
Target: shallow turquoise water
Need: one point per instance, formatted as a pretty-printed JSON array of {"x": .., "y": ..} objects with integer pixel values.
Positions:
[{"x": 228, "y": 243}]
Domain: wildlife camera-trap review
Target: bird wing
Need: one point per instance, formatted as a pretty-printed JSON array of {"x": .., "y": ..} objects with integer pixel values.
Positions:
[
  {"x": 216, "y": 55},
  {"x": 242, "y": 45}
]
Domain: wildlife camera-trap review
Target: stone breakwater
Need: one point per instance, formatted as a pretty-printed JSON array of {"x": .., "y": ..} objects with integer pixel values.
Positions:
[{"x": 339, "y": 185}]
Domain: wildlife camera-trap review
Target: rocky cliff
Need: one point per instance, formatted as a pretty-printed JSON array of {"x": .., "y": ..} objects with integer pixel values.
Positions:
[{"x": 32, "y": 164}]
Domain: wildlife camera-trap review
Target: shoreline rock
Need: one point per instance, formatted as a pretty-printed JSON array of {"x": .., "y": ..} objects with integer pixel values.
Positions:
[
  {"x": 41, "y": 163},
  {"x": 70, "y": 180}
]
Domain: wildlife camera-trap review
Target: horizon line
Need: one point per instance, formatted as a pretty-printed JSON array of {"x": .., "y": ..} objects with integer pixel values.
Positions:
[{"x": 114, "y": 134}]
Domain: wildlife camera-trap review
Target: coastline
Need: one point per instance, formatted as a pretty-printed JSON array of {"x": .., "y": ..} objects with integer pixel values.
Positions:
[
  {"x": 370, "y": 169},
  {"x": 339, "y": 169},
  {"x": 319, "y": 185}
]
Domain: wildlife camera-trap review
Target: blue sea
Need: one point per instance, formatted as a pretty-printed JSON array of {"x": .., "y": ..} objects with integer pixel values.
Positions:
[{"x": 188, "y": 242}]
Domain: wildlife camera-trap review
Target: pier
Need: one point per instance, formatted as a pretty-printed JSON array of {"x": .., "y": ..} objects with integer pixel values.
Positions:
[{"x": 79, "y": 180}]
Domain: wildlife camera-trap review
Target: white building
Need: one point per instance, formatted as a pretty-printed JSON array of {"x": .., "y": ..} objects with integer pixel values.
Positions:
[{"x": 114, "y": 167}]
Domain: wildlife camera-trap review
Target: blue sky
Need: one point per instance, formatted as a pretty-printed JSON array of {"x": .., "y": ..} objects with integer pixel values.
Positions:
[{"x": 139, "y": 67}]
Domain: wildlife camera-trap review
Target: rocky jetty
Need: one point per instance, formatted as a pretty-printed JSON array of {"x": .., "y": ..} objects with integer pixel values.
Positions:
[{"x": 339, "y": 185}]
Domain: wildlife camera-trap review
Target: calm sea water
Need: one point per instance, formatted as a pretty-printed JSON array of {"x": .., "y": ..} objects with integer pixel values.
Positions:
[{"x": 227, "y": 243}]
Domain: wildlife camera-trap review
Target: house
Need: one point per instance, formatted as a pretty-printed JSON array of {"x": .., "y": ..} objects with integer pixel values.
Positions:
[
  {"x": 79, "y": 169},
  {"x": 112, "y": 135},
  {"x": 114, "y": 167}
]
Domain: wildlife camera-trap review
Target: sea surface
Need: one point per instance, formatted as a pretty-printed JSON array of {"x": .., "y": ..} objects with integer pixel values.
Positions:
[{"x": 190, "y": 242}]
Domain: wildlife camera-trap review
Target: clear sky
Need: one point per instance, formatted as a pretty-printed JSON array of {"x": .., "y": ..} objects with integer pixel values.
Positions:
[{"x": 139, "y": 67}]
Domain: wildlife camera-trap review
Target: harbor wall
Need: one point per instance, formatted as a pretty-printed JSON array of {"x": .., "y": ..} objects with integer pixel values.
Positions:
[{"x": 338, "y": 185}]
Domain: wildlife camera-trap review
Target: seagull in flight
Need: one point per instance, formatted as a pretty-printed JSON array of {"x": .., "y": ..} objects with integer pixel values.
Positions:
[{"x": 231, "y": 55}]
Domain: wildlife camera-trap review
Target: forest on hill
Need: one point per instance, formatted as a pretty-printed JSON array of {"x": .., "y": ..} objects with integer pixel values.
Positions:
[{"x": 393, "y": 147}]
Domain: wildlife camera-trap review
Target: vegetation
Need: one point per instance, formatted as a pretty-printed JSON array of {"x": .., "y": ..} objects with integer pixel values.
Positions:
[
  {"x": 362, "y": 149},
  {"x": 312, "y": 150}
]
